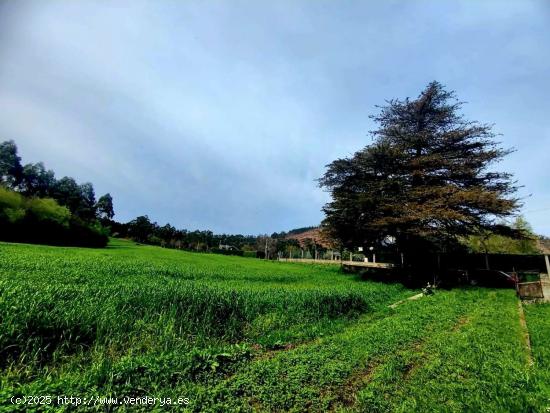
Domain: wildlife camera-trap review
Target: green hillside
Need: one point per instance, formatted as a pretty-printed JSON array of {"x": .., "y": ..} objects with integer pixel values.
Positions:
[{"x": 240, "y": 334}]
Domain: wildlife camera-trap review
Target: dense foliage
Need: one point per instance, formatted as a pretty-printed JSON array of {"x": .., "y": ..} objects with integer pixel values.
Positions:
[
  {"x": 495, "y": 243},
  {"x": 38, "y": 208},
  {"x": 44, "y": 221},
  {"x": 33, "y": 180},
  {"x": 143, "y": 230},
  {"x": 425, "y": 180}
]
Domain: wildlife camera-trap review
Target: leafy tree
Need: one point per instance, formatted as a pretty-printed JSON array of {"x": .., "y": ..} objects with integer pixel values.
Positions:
[
  {"x": 520, "y": 240},
  {"x": 48, "y": 209},
  {"x": 45, "y": 210},
  {"x": 36, "y": 180},
  {"x": 141, "y": 228},
  {"x": 425, "y": 179},
  {"x": 80, "y": 199},
  {"x": 104, "y": 207},
  {"x": 267, "y": 245},
  {"x": 86, "y": 209},
  {"x": 44, "y": 221},
  {"x": 167, "y": 233},
  {"x": 287, "y": 246},
  {"x": 12, "y": 206},
  {"x": 67, "y": 193},
  {"x": 10, "y": 165}
]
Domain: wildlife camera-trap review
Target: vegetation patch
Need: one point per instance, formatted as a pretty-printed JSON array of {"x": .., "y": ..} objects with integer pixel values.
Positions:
[
  {"x": 538, "y": 322},
  {"x": 236, "y": 334}
]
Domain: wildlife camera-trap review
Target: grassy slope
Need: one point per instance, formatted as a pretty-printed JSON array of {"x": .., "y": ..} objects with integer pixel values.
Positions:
[
  {"x": 456, "y": 351},
  {"x": 236, "y": 334},
  {"x": 138, "y": 319}
]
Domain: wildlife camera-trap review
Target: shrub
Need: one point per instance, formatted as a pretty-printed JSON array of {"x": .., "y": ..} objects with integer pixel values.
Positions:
[
  {"x": 44, "y": 221},
  {"x": 11, "y": 206},
  {"x": 48, "y": 209}
]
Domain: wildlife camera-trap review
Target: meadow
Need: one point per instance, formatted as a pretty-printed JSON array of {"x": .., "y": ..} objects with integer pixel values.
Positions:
[{"x": 241, "y": 334}]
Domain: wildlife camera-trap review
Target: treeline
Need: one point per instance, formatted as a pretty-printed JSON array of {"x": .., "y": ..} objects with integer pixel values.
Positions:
[
  {"x": 145, "y": 231},
  {"x": 38, "y": 208},
  {"x": 299, "y": 230},
  {"x": 488, "y": 242}
]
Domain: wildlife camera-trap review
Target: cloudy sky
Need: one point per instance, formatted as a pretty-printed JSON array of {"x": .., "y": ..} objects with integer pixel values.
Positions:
[{"x": 221, "y": 114}]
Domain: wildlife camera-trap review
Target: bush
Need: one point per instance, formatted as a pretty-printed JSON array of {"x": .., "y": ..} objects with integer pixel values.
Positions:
[
  {"x": 44, "y": 221},
  {"x": 49, "y": 210},
  {"x": 83, "y": 234},
  {"x": 11, "y": 206}
]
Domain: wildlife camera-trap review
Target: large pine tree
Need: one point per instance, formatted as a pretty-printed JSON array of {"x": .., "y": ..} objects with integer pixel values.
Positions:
[{"x": 427, "y": 177}]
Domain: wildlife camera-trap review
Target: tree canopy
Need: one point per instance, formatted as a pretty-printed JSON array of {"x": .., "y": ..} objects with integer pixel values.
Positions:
[
  {"x": 10, "y": 164},
  {"x": 489, "y": 242},
  {"x": 38, "y": 208},
  {"x": 105, "y": 209},
  {"x": 426, "y": 178},
  {"x": 34, "y": 180}
]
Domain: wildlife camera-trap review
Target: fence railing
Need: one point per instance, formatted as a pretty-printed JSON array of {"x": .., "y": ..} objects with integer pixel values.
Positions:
[{"x": 340, "y": 262}]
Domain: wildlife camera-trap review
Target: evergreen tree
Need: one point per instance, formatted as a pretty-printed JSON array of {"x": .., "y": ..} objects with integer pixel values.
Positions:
[{"x": 425, "y": 179}]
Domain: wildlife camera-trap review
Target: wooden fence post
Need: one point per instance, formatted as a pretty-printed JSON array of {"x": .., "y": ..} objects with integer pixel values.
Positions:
[{"x": 547, "y": 264}]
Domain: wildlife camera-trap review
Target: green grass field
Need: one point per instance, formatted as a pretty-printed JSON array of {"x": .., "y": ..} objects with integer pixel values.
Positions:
[{"x": 240, "y": 334}]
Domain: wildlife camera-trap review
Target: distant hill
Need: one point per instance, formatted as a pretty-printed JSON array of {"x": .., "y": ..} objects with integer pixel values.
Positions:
[
  {"x": 313, "y": 233},
  {"x": 544, "y": 245},
  {"x": 297, "y": 231}
]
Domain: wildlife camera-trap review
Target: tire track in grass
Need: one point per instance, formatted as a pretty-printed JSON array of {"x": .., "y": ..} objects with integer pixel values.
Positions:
[
  {"x": 308, "y": 378},
  {"x": 408, "y": 361},
  {"x": 263, "y": 355},
  {"x": 268, "y": 353},
  {"x": 473, "y": 367},
  {"x": 346, "y": 395}
]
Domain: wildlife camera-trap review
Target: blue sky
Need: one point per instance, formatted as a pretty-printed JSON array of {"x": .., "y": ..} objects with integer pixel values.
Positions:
[{"x": 221, "y": 114}]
